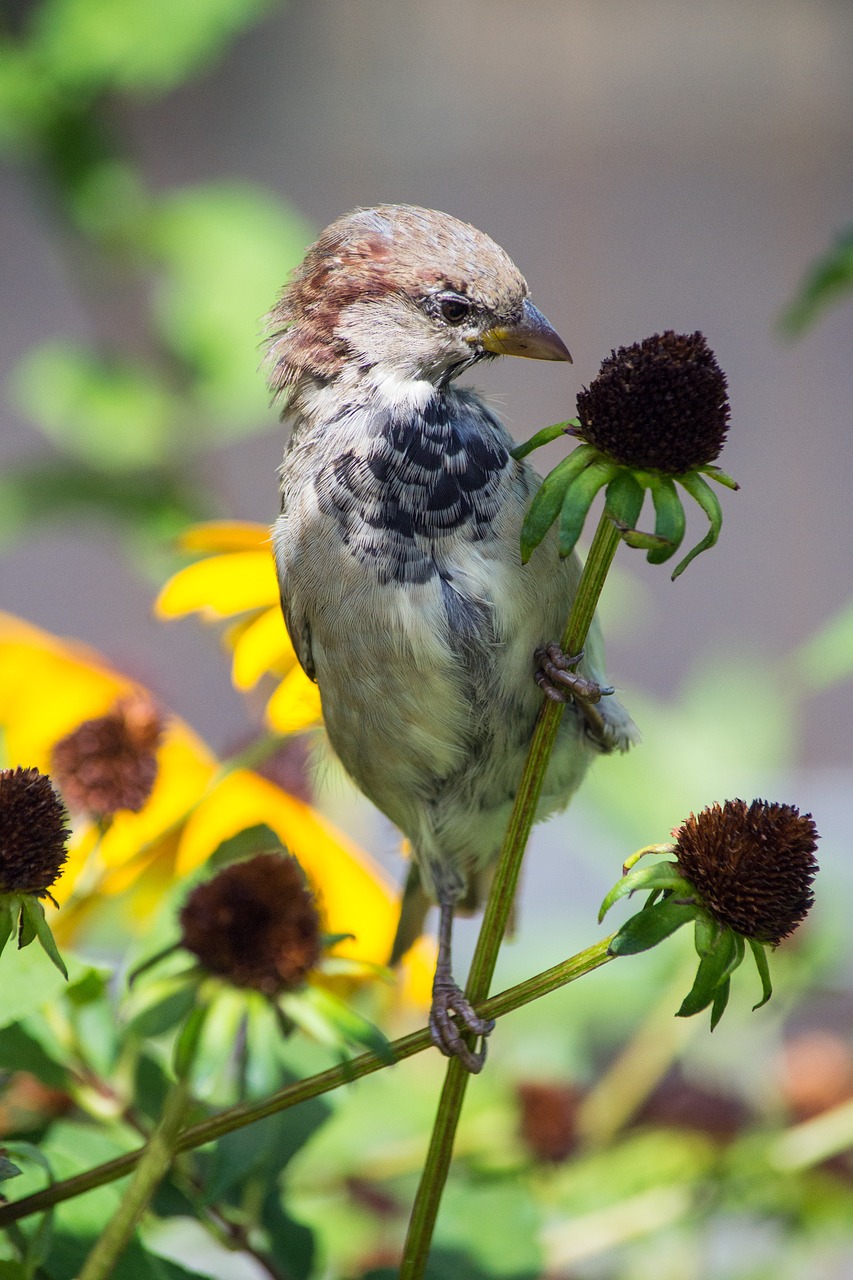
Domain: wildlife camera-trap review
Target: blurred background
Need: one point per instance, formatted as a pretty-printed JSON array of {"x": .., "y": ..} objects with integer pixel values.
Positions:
[{"x": 648, "y": 165}]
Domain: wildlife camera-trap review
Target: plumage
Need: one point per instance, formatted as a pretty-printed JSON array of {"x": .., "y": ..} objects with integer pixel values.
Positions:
[{"x": 397, "y": 546}]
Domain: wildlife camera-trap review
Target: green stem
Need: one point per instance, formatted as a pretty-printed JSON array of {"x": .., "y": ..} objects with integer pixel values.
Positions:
[
  {"x": 499, "y": 905},
  {"x": 325, "y": 1081},
  {"x": 154, "y": 1163}
]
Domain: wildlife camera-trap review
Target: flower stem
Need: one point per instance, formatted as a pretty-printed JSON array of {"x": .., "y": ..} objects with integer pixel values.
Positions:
[
  {"x": 324, "y": 1082},
  {"x": 499, "y": 905},
  {"x": 154, "y": 1163}
]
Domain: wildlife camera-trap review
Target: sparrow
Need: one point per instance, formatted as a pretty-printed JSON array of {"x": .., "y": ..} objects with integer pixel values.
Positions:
[{"x": 398, "y": 557}]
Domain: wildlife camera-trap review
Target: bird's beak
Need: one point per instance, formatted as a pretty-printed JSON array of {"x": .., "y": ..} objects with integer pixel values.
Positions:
[{"x": 532, "y": 336}]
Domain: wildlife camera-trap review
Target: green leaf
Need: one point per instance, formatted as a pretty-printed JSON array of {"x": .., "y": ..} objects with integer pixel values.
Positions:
[
  {"x": 624, "y": 500},
  {"x": 34, "y": 912},
  {"x": 288, "y": 1238},
  {"x": 171, "y": 1003},
  {"x": 21, "y": 1051},
  {"x": 154, "y": 505},
  {"x": 29, "y": 981},
  {"x": 8, "y": 1170},
  {"x": 110, "y": 413},
  {"x": 658, "y": 875},
  {"x": 257, "y": 839},
  {"x": 546, "y": 506},
  {"x": 188, "y": 1040},
  {"x": 262, "y": 1149},
  {"x": 650, "y": 926},
  {"x": 829, "y": 279},
  {"x": 577, "y": 501},
  {"x": 545, "y": 436},
  {"x": 759, "y": 952},
  {"x": 135, "y": 44},
  {"x": 225, "y": 249},
  {"x": 701, "y": 491},
  {"x": 670, "y": 522}
]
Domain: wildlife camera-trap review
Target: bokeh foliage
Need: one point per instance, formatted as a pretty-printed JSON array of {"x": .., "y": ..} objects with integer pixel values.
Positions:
[{"x": 170, "y": 285}]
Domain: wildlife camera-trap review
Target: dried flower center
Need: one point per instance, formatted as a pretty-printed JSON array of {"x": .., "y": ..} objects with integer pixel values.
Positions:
[
  {"x": 109, "y": 763},
  {"x": 33, "y": 832}
]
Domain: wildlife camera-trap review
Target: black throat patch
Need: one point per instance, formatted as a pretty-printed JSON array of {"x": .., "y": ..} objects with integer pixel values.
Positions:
[{"x": 416, "y": 481}]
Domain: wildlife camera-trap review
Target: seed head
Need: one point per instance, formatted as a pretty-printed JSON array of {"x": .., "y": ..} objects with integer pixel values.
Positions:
[
  {"x": 752, "y": 865},
  {"x": 255, "y": 923},
  {"x": 109, "y": 763},
  {"x": 33, "y": 832},
  {"x": 659, "y": 405}
]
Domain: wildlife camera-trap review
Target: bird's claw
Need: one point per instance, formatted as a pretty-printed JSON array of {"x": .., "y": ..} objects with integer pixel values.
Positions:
[
  {"x": 560, "y": 684},
  {"x": 448, "y": 999}
]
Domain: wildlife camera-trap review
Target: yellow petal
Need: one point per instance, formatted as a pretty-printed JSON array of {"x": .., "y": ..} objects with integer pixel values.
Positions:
[
  {"x": 262, "y": 646},
  {"x": 185, "y": 767},
  {"x": 295, "y": 705},
  {"x": 48, "y": 686},
  {"x": 353, "y": 892},
  {"x": 225, "y": 535},
  {"x": 221, "y": 586}
]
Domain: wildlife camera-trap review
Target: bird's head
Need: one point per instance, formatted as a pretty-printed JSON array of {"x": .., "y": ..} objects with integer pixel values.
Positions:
[{"x": 399, "y": 298}]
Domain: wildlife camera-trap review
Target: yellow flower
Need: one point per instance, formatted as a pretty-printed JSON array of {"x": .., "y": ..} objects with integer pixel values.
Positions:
[
  {"x": 49, "y": 686},
  {"x": 236, "y": 579}
]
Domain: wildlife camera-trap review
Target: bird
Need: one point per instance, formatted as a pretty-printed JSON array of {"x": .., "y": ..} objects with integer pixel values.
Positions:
[{"x": 397, "y": 550}]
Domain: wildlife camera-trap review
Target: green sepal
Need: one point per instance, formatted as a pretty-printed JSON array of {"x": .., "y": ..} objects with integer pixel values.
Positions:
[
  {"x": 624, "y": 500},
  {"x": 660, "y": 875},
  {"x": 10, "y": 909},
  {"x": 714, "y": 969},
  {"x": 332, "y": 939},
  {"x": 721, "y": 477},
  {"x": 188, "y": 1039},
  {"x": 634, "y": 858},
  {"x": 650, "y": 926},
  {"x": 34, "y": 925},
  {"x": 644, "y": 541},
  {"x": 545, "y": 436},
  {"x": 702, "y": 493},
  {"x": 145, "y": 965},
  {"x": 578, "y": 500},
  {"x": 762, "y": 964},
  {"x": 545, "y": 507},
  {"x": 670, "y": 520},
  {"x": 721, "y": 999},
  {"x": 707, "y": 933},
  {"x": 325, "y": 1017}
]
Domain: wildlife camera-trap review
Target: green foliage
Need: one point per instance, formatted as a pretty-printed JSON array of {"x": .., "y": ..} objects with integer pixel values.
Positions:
[
  {"x": 188, "y": 273},
  {"x": 828, "y": 280}
]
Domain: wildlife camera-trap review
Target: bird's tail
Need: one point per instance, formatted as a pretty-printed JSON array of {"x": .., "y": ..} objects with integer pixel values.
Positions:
[{"x": 413, "y": 912}]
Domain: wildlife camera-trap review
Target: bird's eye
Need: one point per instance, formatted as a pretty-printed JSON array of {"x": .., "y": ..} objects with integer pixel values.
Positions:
[{"x": 454, "y": 309}]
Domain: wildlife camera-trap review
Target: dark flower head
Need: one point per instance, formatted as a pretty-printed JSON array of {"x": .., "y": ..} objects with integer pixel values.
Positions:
[
  {"x": 255, "y": 923},
  {"x": 659, "y": 405},
  {"x": 33, "y": 832},
  {"x": 752, "y": 865},
  {"x": 549, "y": 1115},
  {"x": 109, "y": 763}
]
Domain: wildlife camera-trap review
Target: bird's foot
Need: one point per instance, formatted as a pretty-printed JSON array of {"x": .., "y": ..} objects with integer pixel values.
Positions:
[
  {"x": 560, "y": 684},
  {"x": 448, "y": 999}
]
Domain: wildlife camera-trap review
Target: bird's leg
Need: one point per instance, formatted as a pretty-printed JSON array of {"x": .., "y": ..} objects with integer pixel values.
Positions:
[
  {"x": 559, "y": 683},
  {"x": 448, "y": 998}
]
